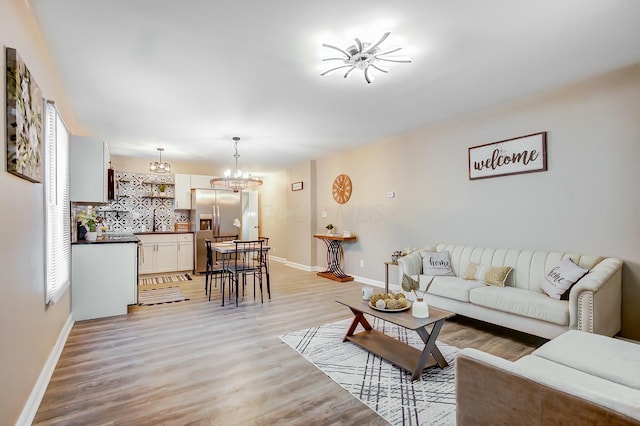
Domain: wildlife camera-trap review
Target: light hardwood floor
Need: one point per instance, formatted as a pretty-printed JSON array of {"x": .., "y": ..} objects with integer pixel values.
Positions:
[{"x": 196, "y": 362}]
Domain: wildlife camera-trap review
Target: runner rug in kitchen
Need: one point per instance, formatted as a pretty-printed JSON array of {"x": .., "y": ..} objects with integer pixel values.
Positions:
[
  {"x": 157, "y": 296},
  {"x": 164, "y": 279}
]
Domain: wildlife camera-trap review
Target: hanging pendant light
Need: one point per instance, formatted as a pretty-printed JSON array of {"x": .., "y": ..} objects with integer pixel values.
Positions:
[
  {"x": 236, "y": 179},
  {"x": 159, "y": 166}
]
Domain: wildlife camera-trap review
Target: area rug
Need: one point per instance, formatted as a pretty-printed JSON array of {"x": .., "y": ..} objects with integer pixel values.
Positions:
[
  {"x": 164, "y": 279},
  {"x": 383, "y": 387},
  {"x": 158, "y": 296}
]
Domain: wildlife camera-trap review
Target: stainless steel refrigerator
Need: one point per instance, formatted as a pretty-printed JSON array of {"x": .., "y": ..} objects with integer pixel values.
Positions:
[{"x": 213, "y": 212}]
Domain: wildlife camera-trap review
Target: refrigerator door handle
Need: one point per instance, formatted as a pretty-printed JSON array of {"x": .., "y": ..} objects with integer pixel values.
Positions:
[{"x": 217, "y": 219}]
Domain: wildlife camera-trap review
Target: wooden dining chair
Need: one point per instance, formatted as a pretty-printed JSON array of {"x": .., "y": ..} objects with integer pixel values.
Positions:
[{"x": 246, "y": 260}]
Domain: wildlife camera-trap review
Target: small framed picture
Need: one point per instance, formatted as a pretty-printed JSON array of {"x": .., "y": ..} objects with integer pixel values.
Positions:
[{"x": 296, "y": 186}]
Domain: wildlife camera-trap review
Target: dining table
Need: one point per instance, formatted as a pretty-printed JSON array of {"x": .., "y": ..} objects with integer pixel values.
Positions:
[{"x": 228, "y": 248}]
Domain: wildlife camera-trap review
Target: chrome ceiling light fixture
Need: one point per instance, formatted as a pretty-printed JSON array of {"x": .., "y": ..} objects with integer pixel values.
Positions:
[
  {"x": 237, "y": 179},
  {"x": 159, "y": 166},
  {"x": 365, "y": 56}
]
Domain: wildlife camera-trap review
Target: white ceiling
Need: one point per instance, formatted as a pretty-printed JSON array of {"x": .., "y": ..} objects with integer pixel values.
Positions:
[{"x": 189, "y": 75}]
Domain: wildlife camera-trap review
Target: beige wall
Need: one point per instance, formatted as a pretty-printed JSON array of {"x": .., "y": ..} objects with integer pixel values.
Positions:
[
  {"x": 28, "y": 329},
  {"x": 587, "y": 202}
]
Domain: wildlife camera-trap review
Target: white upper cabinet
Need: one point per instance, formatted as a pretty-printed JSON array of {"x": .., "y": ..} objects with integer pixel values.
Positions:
[
  {"x": 183, "y": 191},
  {"x": 201, "y": 181},
  {"x": 89, "y": 161}
]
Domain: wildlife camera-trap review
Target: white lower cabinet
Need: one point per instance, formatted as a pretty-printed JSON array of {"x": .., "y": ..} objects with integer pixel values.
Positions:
[
  {"x": 103, "y": 279},
  {"x": 166, "y": 253},
  {"x": 185, "y": 252}
]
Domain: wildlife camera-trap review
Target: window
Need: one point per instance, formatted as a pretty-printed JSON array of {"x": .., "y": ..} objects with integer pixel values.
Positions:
[{"x": 56, "y": 193}]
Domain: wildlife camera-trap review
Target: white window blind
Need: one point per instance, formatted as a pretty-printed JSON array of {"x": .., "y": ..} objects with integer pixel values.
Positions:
[{"x": 57, "y": 216}]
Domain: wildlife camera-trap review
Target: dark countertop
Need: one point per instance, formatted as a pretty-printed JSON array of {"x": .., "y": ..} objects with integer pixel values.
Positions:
[
  {"x": 110, "y": 239},
  {"x": 162, "y": 232}
]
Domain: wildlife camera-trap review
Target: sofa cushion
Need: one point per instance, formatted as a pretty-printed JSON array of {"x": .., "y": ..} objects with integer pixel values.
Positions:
[
  {"x": 522, "y": 302},
  {"x": 610, "y": 394},
  {"x": 492, "y": 275},
  {"x": 453, "y": 288},
  {"x": 611, "y": 359},
  {"x": 560, "y": 278},
  {"x": 436, "y": 263}
]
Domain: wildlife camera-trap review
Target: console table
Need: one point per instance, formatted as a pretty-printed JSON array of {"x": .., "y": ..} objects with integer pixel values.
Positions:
[{"x": 334, "y": 257}]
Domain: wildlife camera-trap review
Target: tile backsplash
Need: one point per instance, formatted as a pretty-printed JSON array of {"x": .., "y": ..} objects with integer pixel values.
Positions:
[{"x": 138, "y": 198}]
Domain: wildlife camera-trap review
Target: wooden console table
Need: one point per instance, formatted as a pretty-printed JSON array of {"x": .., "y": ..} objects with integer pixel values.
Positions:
[{"x": 334, "y": 257}]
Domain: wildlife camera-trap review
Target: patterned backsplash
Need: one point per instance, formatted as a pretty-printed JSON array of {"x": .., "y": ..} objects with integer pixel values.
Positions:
[{"x": 138, "y": 197}]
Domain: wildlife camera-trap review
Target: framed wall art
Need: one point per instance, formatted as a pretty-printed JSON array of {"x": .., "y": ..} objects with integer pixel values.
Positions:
[
  {"x": 524, "y": 154},
  {"x": 25, "y": 116},
  {"x": 297, "y": 186}
]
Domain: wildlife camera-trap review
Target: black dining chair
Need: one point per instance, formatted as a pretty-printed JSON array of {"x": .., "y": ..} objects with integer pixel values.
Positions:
[
  {"x": 213, "y": 272},
  {"x": 264, "y": 261},
  {"x": 246, "y": 260}
]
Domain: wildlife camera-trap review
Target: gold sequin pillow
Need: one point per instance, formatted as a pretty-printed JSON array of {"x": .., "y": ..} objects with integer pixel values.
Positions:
[{"x": 492, "y": 275}]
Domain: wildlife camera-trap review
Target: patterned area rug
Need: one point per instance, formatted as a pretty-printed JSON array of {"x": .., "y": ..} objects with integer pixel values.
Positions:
[
  {"x": 157, "y": 296},
  {"x": 380, "y": 385},
  {"x": 164, "y": 279}
]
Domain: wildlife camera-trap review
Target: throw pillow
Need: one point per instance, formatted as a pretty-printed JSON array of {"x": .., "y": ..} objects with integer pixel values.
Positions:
[
  {"x": 436, "y": 263},
  {"x": 560, "y": 279},
  {"x": 492, "y": 275}
]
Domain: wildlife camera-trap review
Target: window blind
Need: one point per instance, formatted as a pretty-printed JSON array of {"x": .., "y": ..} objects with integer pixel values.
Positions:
[{"x": 57, "y": 216}]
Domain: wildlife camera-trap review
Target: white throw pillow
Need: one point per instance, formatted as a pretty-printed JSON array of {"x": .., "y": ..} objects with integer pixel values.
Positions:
[
  {"x": 436, "y": 263},
  {"x": 561, "y": 278}
]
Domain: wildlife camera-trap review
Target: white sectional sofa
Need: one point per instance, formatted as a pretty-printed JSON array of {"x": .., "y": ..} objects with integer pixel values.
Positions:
[
  {"x": 577, "y": 378},
  {"x": 594, "y": 303}
]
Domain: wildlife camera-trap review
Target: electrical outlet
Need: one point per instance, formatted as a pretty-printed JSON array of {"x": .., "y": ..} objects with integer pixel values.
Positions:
[{"x": 362, "y": 263}]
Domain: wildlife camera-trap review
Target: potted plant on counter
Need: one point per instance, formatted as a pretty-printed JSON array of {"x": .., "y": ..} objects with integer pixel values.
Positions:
[{"x": 89, "y": 220}]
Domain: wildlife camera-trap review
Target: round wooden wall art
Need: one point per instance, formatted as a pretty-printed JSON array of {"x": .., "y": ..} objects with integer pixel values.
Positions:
[{"x": 342, "y": 189}]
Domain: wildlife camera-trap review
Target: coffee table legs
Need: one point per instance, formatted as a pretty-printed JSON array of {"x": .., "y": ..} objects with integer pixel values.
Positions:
[
  {"x": 358, "y": 319},
  {"x": 430, "y": 348},
  {"x": 398, "y": 353}
]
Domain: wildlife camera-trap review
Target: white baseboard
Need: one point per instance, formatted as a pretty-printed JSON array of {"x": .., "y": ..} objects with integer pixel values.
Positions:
[
  {"x": 307, "y": 268},
  {"x": 35, "y": 398}
]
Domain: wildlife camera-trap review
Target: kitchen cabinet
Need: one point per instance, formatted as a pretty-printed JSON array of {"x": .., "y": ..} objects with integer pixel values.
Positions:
[
  {"x": 104, "y": 279},
  {"x": 185, "y": 252},
  {"x": 88, "y": 165},
  {"x": 166, "y": 253},
  {"x": 201, "y": 181},
  {"x": 182, "y": 191}
]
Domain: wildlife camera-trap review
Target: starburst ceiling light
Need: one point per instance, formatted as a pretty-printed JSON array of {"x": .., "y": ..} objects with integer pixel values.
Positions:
[
  {"x": 364, "y": 56},
  {"x": 159, "y": 166},
  {"x": 237, "y": 179}
]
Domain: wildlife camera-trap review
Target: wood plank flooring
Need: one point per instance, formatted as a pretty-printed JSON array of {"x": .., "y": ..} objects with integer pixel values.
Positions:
[{"x": 197, "y": 362}]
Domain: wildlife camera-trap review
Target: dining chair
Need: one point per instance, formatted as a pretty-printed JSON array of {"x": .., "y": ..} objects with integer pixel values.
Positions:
[
  {"x": 264, "y": 261},
  {"x": 213, "y": 271},
  {"x": 246, "y": 260}
]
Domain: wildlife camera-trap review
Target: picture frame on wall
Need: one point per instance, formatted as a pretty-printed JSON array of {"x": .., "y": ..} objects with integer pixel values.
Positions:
[
  {"x": 297, "y": 186},
  {"x": 25, "y": 118},
  {"x": 524, "y": 154}
]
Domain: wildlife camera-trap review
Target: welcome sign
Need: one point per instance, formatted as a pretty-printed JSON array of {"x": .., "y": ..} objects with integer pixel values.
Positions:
[{"x": 524, "y": 154}]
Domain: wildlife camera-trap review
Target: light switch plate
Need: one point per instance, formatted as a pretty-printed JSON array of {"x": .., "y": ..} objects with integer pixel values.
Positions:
[
  {"x": 391, "y": 194},
  {"x": 323, "y": 214}
]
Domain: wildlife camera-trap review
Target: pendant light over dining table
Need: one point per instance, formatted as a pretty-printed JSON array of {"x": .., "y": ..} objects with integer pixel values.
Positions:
[{"x": 236, "y": 179}]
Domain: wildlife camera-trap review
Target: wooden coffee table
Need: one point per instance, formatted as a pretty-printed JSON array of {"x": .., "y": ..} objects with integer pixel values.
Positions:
[{"x": 399, "y": 353}]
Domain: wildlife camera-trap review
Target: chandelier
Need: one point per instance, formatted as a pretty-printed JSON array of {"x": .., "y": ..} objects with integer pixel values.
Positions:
[
  {"x": 159, "y": 166},
  {"x": 237, "y": 179},
  {"x": 365, "y": 56}
]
